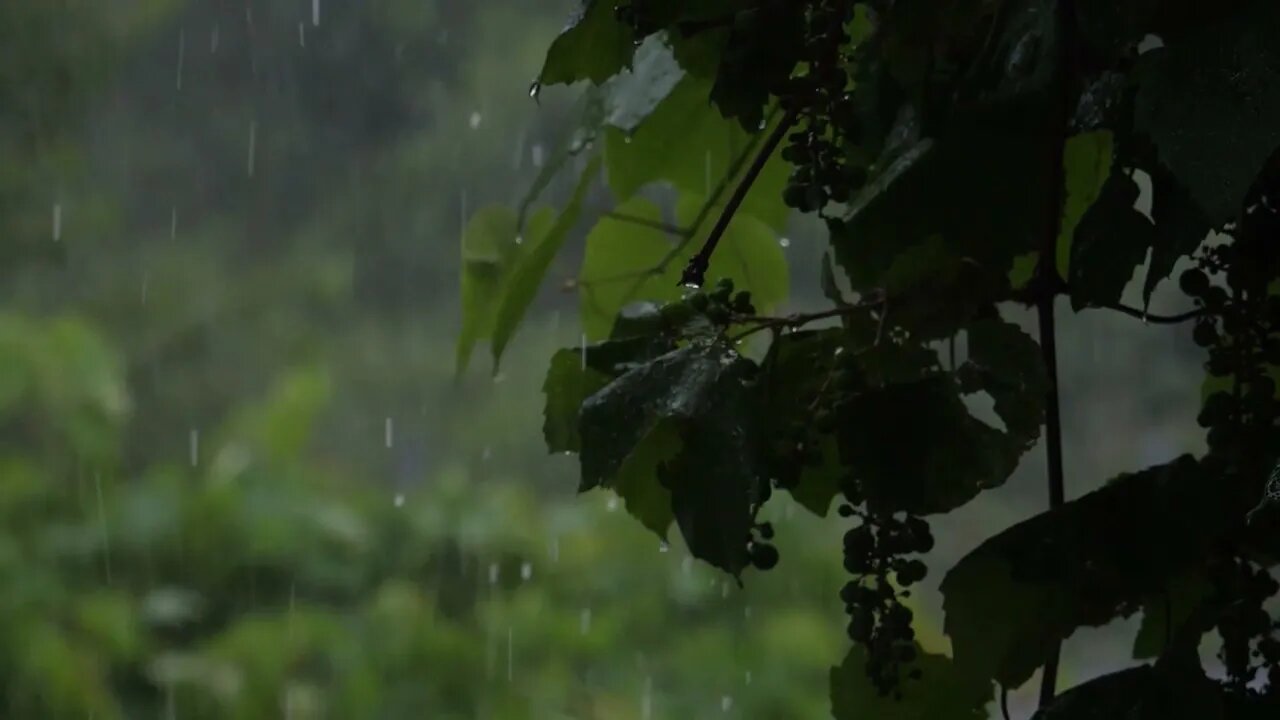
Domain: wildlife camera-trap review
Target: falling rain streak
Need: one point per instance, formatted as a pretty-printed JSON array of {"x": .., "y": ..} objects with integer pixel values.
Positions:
[
  {"x": 302, "y": 35},
  {"x": 102, "y": 522},
  {"x": 57, "y": 222},
  {"x": 193, "y": 443},
  {"x": 213, "y": 39},
  {"x": 584, "y": 621},
  {"x": 182, "y": 51},
  {"x": 173, "y": 223},
  {"x": 388, "y": 432},
  {"x": 315, "y": 12},
  {"x": 253, "y": 144},
  {"x": 509, "y": 653}
]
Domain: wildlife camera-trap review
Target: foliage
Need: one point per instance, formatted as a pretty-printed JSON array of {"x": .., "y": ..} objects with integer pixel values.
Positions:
[{"x": 966, "y": 158}]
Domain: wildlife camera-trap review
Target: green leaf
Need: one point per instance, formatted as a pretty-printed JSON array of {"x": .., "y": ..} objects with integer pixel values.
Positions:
[
  {"x": 1180, "y": 227},
  {"x": 1211, "y": 104},
  {"x": 1005, "y": 362},
  {"x": 592, "y": 46},
  {"x": 703, "y": 391},
  {"x": 1094, "y": 559},
  {"x": 568, "y": 383},
  {"x": 529, "y": 268},
  {"x": 637, "y": 480},
  {"x": 946, "y": 691},
  {"x": 749, "y": 252},
  {"x": 1087, "y": 165},
  {"x": 1110, "y": 242},
  {"x": 914, "y": 446},
  {"x": 1108, "y": 696},
  {"x": 489, "y": 249},
  {"x": 685, "y": 142},
  {"x": 1164, "y": 612}
]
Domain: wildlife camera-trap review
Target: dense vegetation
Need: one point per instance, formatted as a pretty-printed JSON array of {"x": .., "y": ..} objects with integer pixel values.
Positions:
[{"x": 967, "y": 158}]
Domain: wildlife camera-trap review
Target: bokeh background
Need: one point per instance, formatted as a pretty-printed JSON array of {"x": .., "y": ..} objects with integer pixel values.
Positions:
[{"x": 238, "y": 475}]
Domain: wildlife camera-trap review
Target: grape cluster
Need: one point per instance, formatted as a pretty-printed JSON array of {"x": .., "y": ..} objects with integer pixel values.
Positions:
[
  {"x": 823, "y": 146},
  {"x": 1250, "y": 642},
  {"x": 875, "y": 551},
  {"x": 721, "y": 306}
]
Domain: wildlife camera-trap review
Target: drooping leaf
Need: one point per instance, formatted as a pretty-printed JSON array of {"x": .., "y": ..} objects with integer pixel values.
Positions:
[
  {"x": 703, "y": 392},
  {"x": 489, "y": 249},
  {"x": 1167, "y": 610},
  {"x": 1084, "y": 564},
  {"x": 637, "y": 480},
  {"x": 530, "y": 267},
  {"x": 1211, "y": 105},
  {"x": 1110, "y": 242},
  {"x": 946, "y": 691},
  {"x": 1086, "y": 161},
  {"x": 592, "y": 46},
  {"x": 913, "y": 446}
]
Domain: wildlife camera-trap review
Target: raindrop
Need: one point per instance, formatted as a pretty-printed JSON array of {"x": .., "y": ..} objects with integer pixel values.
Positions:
[
  {"x": 646, "y": 700},
  {"x": 182, "y": 50},
  {"x": 707, "y": 173},
  {"x": 526, "y": 570},
  {"x": 762, "y": 124},
  {"x": 692, "y": 286},
  {"x": 474, "y": 120},
  {"x": 584, "y": 621},
  {"x": 193, "y": 446},
  {"x": 315, "y": 12},
  {"x": 57, "y": 222},
  {"x": 509, "y": 654},
  {"x": 536, "y": 154},
  {"x": 399, "y": 500},
  {"x": 486, "y": 453},
  {"x": 584, "y": 351},
  {"x": 213, "y": 39},
  {"x": 462, "y": 213},
  {"x": 253, "y": 144},
  {"x": 784, "y": 242},
  {"x": 746, "y": 612},
  {"x": 686, "y": 565},
  {"x": 145, "y": 279},
  {"x": 519, "y": 239},
  {"x": 612, "y": 504},
  {"x": 724, "y": 589},
  {"x": 102, "y": 521},
  {"x": 388, "y": 431},
  {"x": 493, "y": 573},
  {"x": 663, "y": 546},
  {"x": 748, "y": 677},
  {"x": 535, "y": 88},
  {"x": 726, "y": 703},
  {"x": 173, "y": 223},
  {"x": 554, "y": 550},
  {"x": 626, "y": 139},
  {"x": 302, "y": 35},
  {"x": 499, "y": 377},
  {"x": 1149, "y": 43},
  {"x": 555, "y": 320}
]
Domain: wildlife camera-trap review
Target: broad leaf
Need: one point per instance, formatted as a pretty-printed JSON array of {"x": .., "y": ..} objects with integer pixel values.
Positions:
[
  {"x": 528, "y": 270},
  {"x": 946, "y": 691},
  {"x": 1096, "y": 558},
  {"x": 1110, "y": 242},
  {"x": 1167, "y": 610},
  {"x": 703, "y": 392},
  {"x": 592, "y": 46},
  {"x": 1212, "y": 106},
  {"x": 489, "y": 249},
  {"x": 1180, "y": 227},
  {"x": 1087, "y": 165},
  {"x": 913, "y": 446}
]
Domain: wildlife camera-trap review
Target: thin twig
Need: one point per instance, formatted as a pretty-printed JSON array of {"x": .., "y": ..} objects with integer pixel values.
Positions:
[
  {"x": 1158, "y": 319},
  {"x": 791, "y": 322},
  {"x": 1004, "y": 702},
  {"x": 695, "y": 272}
]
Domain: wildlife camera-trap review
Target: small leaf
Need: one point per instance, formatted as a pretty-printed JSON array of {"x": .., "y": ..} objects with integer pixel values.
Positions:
[
  {"x": 630, "y": 97},
  {"x": 489, "y": 249},
  {"x": 1110, "y": 242},
  {"x": 592, "y": 46},
  {"x": 528, "y": 269},
  {"x": 1087, "y": 165}
]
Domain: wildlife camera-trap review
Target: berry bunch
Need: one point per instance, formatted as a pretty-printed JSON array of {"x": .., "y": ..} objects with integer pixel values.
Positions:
[
  {"x": 721, "y": 306},
  {"x": 875, "y": 551}
]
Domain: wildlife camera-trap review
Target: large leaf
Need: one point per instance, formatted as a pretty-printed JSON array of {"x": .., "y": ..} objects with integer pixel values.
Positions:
[
  {"x": 1212, "y": 106},
  {"x": 704, "y": 393},
  {"x": 914, "y": 446},
  {"x": 946, "y": 691},
  {"x": 685, "y": 142},
  {"x": 529, "y": 268},
  {"x": 1096, "y": 558},
  {"x": 624, "y": 262},
  {"x": 592, "y": 46}
]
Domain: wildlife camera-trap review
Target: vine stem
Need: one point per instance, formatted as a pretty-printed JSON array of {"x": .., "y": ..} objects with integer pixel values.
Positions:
[
  {"x": 1050, "y": 285},
  {"x": 695, "y": 272}
]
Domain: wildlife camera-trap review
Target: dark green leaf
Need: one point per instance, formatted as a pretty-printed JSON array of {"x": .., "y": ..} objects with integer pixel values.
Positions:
[
  {"x": 592, "y": 46},
  {"x": 1005, "y": 362},
  {"x": 1167, "y": 610},
  {"x": 703, "y": 391},
  {"x": 528, "y": 270},
  {"x": 946, "y": 691},
  {"x": 637, "y": 480},
  {"x": 1094, "y": 559},
  {"x": 1180, "y": 227},
  {"x": 1211, "y": 104},
  {"x": 569, "y": 382},
  {"x": 1111, "y": 240},
  {"x": 1086, "y": 162},
  {"x": 914, "y": 446}
]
